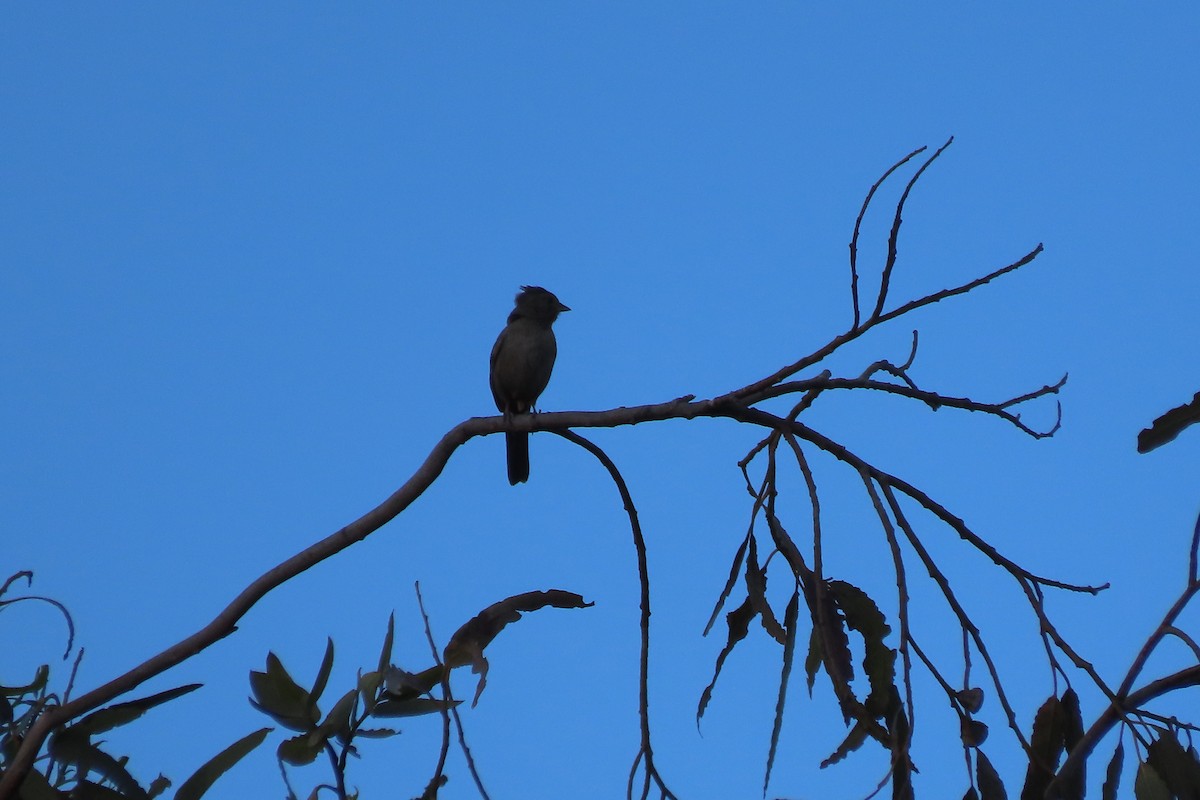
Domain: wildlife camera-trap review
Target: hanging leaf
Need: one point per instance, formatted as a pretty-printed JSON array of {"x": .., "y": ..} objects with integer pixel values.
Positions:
[
  {"x": 990, "y": 785},
  {"x": 1112, "y": 777},
  {"x": 1177, "y": 767},
  {"x": 790, "y": 617},
  {"x": 1075, "y": 785},
  {"x": 756, "y": 593},
  {"x": 854, "y": 739},
  {"x": 879, "y": 660},
  {"x": 738, "y": 622},
  {"x": 730, "y": 582},
  {"x": 835, "y": 646},
  {"x": 1148, "y": 785},
  {"x": 1046, "y": 746},
  {"x": 814, "y": 659}
]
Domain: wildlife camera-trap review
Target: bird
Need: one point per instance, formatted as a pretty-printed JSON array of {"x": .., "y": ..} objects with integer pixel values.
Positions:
[{"x": 521, "y": 363}]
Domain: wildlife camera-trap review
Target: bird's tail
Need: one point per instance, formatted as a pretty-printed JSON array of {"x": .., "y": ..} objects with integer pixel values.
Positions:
[{"x": 518, "y": 457}]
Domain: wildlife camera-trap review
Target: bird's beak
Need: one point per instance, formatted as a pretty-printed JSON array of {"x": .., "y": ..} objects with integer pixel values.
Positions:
[{"x": 562, "y": 307}]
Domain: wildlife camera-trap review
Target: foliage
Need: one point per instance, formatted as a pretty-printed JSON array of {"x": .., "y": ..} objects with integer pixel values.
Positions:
[
  {"x": 384, "y": 692},
  {"x": 75, "y": 764}
]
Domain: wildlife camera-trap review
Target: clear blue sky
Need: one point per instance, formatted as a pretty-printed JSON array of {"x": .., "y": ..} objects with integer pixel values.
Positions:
[{"x": 253, "y": 259}]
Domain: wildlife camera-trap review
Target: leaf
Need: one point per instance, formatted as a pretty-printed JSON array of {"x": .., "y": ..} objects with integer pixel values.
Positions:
[
  {"x": 1177, "y": 767},
  {"x": 835, "y": 646},
  {"x": 281, "y": 698},
  {"x": 468, "y": 642},
  {"x": 302, "y": 748},
  {"x": 790, "y": 618},
  {"x": 36, "y": 787},
  {"x": 385, "y": 657},
  {"x": 40, "y": 678},
  {"x": 322, "y": 673},
  {"x": 376, "y": 733},
  {"x": 990, "y": 785},
  {"x": 415, "y": 707},
  {"x": 122, "y": 713},
  {"x": 401, "y": 685},
  {"x": 813, "y": 661},
  {"x": 734, "y": 569},
  {"x": 337, "y": 723},
  {"x": 72, "y": 746},
  {"x": 1046, "y": 746},
  {"x": 738, "y": 622},
  {"x": 879, "y": 660},
  {"x": 1112, "y": 777},
  {"x": 756, "y": 593},
  {"x": 203, "y": 779},
  {"x": 1074, "y": 787},
  {"x": 1148, "y": 785},
  {"x": 854, "y": 739}
]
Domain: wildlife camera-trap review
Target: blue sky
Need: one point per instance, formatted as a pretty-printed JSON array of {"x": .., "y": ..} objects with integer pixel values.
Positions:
[{"x": 254, "y": 259}]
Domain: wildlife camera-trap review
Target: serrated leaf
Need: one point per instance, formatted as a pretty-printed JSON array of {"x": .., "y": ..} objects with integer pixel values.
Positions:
[
  {"x": 1112, "y": 776},
  {"x": 281, "y": 698},
  {"x": 835, "y": 646},
  {"x": 879, "y": 660},
  {"x": 1148, "y": 785},
  {"x": 738, "y": 622},
  {"x": 790, "y": 617},
  {"x": 467, "y": 644},
  {"x": 322, "y": 673},
  {"x": 1046, "y": 746},
  {"x": 990, "y": 785},
  {"x": 122, "y": 713},
  {"x": 91, "y": 790},
  {"x": 756, "y": 594},
  {"x": 415, "y": 707},
  {"x": 203, "y": 779}
]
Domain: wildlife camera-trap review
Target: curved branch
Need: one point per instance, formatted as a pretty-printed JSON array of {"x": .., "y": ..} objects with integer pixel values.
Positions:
[{"x": 639, "y": 543}]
